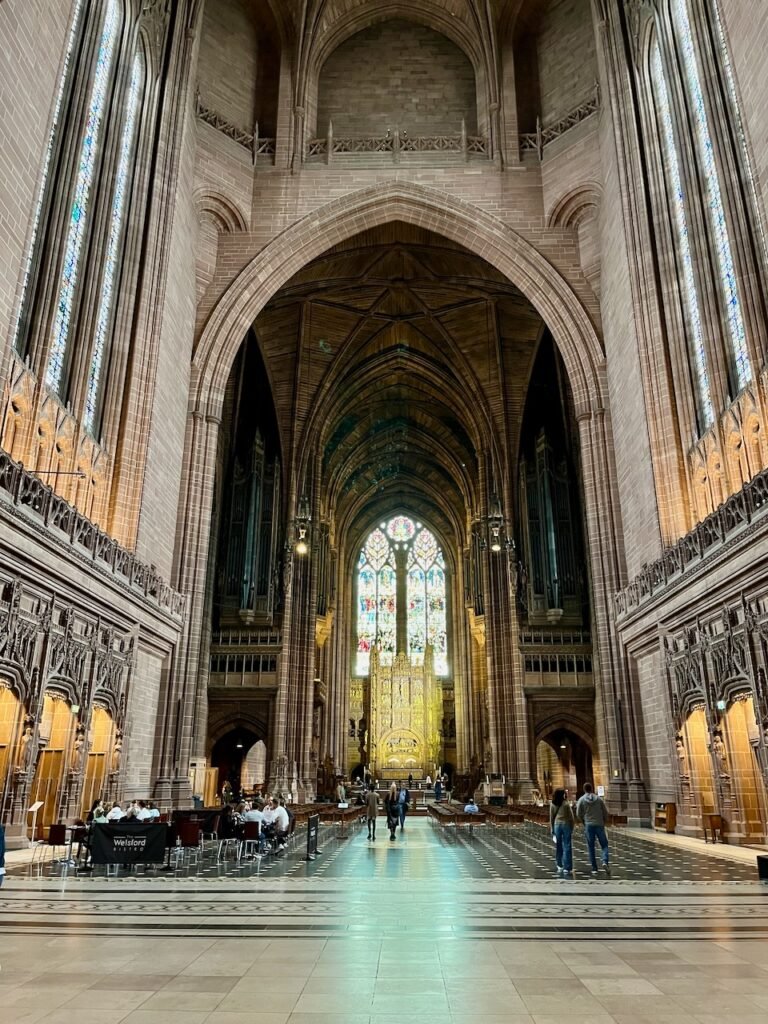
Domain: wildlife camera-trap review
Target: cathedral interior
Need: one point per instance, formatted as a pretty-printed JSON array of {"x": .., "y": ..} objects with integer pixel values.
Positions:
[{"x": 382, "y": 396}]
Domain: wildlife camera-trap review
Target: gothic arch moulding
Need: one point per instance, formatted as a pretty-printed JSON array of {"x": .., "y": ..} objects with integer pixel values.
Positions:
[
  {"x": 483, "y": 234},
  {"x": 576, "y": 205},
  {"x": 225, "y": 214}
]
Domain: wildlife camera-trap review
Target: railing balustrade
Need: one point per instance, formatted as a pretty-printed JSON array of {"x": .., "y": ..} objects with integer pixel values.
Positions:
[
  {"x": 735, "y": 514},
  {"x": 53, "y": 513}
]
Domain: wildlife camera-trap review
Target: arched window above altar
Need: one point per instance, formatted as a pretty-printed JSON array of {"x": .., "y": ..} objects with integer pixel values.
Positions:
[{"x": 401, "y": 557}]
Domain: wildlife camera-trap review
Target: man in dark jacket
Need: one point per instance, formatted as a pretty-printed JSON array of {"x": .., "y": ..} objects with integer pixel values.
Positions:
[
  {"x": 591, "y": 810},
  {"x": 403, "y": 800}
]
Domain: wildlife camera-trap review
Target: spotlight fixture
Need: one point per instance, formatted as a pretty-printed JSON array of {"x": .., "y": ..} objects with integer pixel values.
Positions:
[
  {"x": 239, "y": 746},
  {"x": 301, "y": 544},
  {"x": 495, "y": 539}
]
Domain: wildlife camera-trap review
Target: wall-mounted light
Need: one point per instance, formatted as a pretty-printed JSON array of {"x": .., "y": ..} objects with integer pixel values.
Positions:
[
  {"x": 301, "y": 543},
  {"x": 721, "y": 705},
  {"x": 239, "y": 746},
  {"x": 491, "y": 529},
  {"x": 75, "y": 709}
]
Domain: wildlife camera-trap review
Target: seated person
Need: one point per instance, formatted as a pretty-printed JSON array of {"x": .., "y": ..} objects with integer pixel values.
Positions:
[
  {"x": 142, "y": 811},
  {"x": 154, "y": 813},
  {"x": 255, "y": 813},
  {"x": 282, "y": 823},
  {"x": 470, "y": 807},
  {"x": 100, "y": 816},
  {"x": 116, "y": 812}
]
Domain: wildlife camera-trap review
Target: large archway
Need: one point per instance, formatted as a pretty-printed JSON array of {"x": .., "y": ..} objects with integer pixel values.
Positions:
[{"x": 517, "y": 261}]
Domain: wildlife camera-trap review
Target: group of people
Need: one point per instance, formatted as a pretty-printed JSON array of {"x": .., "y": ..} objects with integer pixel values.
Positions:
[
  {"x": 591, "y": 811},
  {"x": 134, "y": 810},
  {"x": 396, "y": 804},
  {"x": 272, "y": 815}
]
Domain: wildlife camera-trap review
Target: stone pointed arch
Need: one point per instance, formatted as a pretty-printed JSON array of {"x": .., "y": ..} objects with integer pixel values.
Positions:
[{"x": 480, "y": 232}]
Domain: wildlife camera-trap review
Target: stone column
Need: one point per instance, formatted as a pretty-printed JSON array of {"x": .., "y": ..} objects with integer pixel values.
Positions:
[{"x": 616, "y": 711}]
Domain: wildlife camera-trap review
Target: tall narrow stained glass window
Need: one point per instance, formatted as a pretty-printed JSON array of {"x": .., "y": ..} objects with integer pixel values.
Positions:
[
  {"x": 18, "y": 339},
  {"x": 677, "y": 197},
  {"x": 120, "y": 203},
  {"x": 83, "y": 184},
  {"x": 426, "y": 601},
  {"x": 376, "y": 601},
  {"x": 706, "y": 153}
]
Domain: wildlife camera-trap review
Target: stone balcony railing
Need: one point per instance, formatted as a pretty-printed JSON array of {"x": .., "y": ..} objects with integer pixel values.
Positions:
[
  {"x": 734, "y": 516},
  {"x": 536, "y": 142},
  {"x": 397, "y": 144},
  {"x": 260, "y": 148},
  {"x": 48, "y": 510}
]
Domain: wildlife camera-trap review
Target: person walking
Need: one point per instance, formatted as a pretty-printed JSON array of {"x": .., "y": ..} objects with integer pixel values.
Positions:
[
  {"x": 592, "y": 812},
  {"x": 390, "y": 806},
  {"x": 403, "y": 802},
  {"x": 561, "y": 822},
  {"x": 371, "y": 810}
]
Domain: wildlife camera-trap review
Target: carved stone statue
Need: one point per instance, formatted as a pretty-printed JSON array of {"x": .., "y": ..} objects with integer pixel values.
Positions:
[
  {"x": 682, "y": 758},
  {"x": 26, "y": 747},
  {"x": 117, "y": 753},
  {"x": 78, "y": 750},
  {"x": 722, "y": 755}
]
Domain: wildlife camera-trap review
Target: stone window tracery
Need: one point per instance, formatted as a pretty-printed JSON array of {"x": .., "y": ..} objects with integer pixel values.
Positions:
[
  {"x": 401, "y": 557},
  {"x": 116, "y": 235},
  {"x": 80, "y": 207},
  {"x": 678, "y": 202},
  {"x": 706, "y": 156}
]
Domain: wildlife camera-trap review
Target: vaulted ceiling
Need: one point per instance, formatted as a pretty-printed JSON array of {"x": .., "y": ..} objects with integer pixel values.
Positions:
[{"x": 399, "y": 361}]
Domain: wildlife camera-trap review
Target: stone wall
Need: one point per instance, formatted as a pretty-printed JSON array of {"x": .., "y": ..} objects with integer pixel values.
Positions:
[
  {"x": 229, "y": 41},
  {"x": 567, "y": 62},
  {"x": 33, "y": 36},
  {"x": 396, "y": 74}
]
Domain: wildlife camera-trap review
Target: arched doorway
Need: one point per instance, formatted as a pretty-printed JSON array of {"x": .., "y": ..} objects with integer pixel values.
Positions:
[
  {"x": 10, "y": 720},
  {"x": 253, "y": 774},
  {"x": 57, "y": 733},
  {"x": 229, "y": 756},
  {"x": 563, "y": 761},
  {"x": 97, "y": 764}
]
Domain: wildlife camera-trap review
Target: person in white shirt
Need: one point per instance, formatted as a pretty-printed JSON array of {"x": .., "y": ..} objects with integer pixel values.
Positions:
[
  {"x": 282, "y": 824},
  {"x": 154, "y": 813},
  {"x": 268, "y": 814},
  {"x": 254, "y": 814},
  {"x": 471, "y": 807},
  {"x": 281, "y": 818},
  {"x": 116, "y": 812},
  {"x": 143, "y": 813}
]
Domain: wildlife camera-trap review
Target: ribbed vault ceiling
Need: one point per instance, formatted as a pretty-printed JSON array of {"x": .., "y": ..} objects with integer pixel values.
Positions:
[{"x": 400, "y": 360}]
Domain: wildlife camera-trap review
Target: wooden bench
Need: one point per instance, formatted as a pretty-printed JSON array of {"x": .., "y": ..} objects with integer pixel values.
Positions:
[{"x": 502, "y": 816}]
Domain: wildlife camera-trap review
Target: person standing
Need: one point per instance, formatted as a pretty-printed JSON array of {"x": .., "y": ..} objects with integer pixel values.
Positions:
[
  {"x": 390, "y": 805},
  {"x": 592, "y": 812},
  {"x": 561, "y": 822},
  {"x": 371, "y": 810},
  {"x": 2, "y": 855},
  {"x": 438, "y": 790},
  {"x": 403, "y": 801}
]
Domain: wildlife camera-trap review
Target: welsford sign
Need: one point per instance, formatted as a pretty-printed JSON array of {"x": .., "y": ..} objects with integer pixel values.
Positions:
[{"x": 132, "y": 843}]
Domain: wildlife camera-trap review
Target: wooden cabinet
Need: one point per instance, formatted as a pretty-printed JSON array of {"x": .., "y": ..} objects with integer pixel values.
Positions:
[{"x": 665, "y": 817}]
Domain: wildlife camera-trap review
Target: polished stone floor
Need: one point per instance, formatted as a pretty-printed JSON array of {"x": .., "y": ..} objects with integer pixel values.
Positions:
[{"x": 432, "y": 928}]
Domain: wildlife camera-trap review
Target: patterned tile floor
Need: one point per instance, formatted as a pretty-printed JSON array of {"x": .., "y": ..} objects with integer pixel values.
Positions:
[{"x": 432, "y": 928}]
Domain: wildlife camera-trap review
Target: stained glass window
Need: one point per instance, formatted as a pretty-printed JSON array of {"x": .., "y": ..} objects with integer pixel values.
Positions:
[
  {"x": 83, "y": 184},
  {"x": 677, "y": 197},
  {"x": 706, "y": 154},
  {"x": 422, "y": 563},
  {"x": 47, "y": 167},
  {"x": 426, "y": 601},
  {"x": 116, "y": 231},
  {"x": 376, "y": 601},
  {"x": 401, "y": 528}
]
